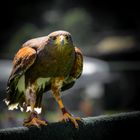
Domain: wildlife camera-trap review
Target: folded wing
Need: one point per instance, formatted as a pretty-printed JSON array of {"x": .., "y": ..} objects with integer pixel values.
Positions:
[{"x": 23, "y": 60}]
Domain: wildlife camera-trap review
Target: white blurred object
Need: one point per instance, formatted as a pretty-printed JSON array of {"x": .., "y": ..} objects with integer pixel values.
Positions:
[{"x": 95, "y": 90}]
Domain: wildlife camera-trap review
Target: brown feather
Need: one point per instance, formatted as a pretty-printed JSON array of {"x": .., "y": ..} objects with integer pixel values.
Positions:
[
  {"x": 78, "y": 65},
  {"x": 24, "y": 58}
]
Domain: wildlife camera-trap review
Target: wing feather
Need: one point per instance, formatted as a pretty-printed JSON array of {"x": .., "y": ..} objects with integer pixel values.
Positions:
[
  {"x": 24, "y": 58},
  {"x": 78, "y": 65}
]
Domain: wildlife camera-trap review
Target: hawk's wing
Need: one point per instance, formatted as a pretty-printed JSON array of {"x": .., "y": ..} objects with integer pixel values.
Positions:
[
  {"x": 78, "y": 65},
  {"x": 76, "y": 70},
  {"x": 24, "y": 58}
]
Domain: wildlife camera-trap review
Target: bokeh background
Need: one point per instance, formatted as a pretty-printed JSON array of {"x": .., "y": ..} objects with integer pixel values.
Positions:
[{"x": 108, "y": 34}]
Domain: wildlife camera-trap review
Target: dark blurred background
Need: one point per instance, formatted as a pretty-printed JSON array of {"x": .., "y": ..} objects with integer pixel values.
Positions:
[{"x": 108, "y": 33}]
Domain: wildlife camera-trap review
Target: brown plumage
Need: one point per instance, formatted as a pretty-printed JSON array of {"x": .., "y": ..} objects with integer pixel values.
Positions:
[{"x": 42, "y": 64}]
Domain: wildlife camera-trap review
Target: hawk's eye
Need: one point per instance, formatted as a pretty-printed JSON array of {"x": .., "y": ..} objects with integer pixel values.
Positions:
[
  {"x": 53, "y": 37},
  {"x": 67, "y": 37}
]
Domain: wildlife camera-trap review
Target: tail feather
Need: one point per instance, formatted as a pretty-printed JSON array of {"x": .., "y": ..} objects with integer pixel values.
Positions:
[
  {"x": 15, "y": 96},
  {"x": 14, "y": 103}
]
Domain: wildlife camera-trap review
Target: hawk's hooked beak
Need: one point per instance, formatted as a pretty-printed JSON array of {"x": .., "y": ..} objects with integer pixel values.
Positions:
[{"x": 61, "y": 40}]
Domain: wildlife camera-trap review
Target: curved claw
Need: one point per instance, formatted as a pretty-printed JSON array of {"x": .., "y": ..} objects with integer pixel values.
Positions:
[
  {"x": 68, "y": 117},
  {"x": 35, "y": 122}
]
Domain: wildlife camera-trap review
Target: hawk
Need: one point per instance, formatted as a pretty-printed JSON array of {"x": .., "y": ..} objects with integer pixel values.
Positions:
[{"x": 46, "y": 63}]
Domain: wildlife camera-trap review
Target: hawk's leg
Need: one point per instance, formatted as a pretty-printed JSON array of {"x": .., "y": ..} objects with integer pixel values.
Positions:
[
  {"x": 33, "y": 119},
  {"x": 56, "y": 86}
]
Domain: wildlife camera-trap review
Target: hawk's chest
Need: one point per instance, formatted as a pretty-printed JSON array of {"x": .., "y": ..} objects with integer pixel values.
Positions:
[{"x": 56, "y": 62}]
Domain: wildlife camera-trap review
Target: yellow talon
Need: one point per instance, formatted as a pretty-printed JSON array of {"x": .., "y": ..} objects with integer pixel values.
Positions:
[
  {"x": 36, "y": 122},
  {"x": 68, "y": 117}
]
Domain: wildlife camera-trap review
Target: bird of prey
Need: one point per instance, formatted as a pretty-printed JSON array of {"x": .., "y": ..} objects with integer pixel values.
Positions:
[{"x": 46, "y": 63}]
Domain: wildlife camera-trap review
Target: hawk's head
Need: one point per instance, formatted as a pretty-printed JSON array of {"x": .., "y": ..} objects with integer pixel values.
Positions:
[{"x": 60, "y": 39}]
